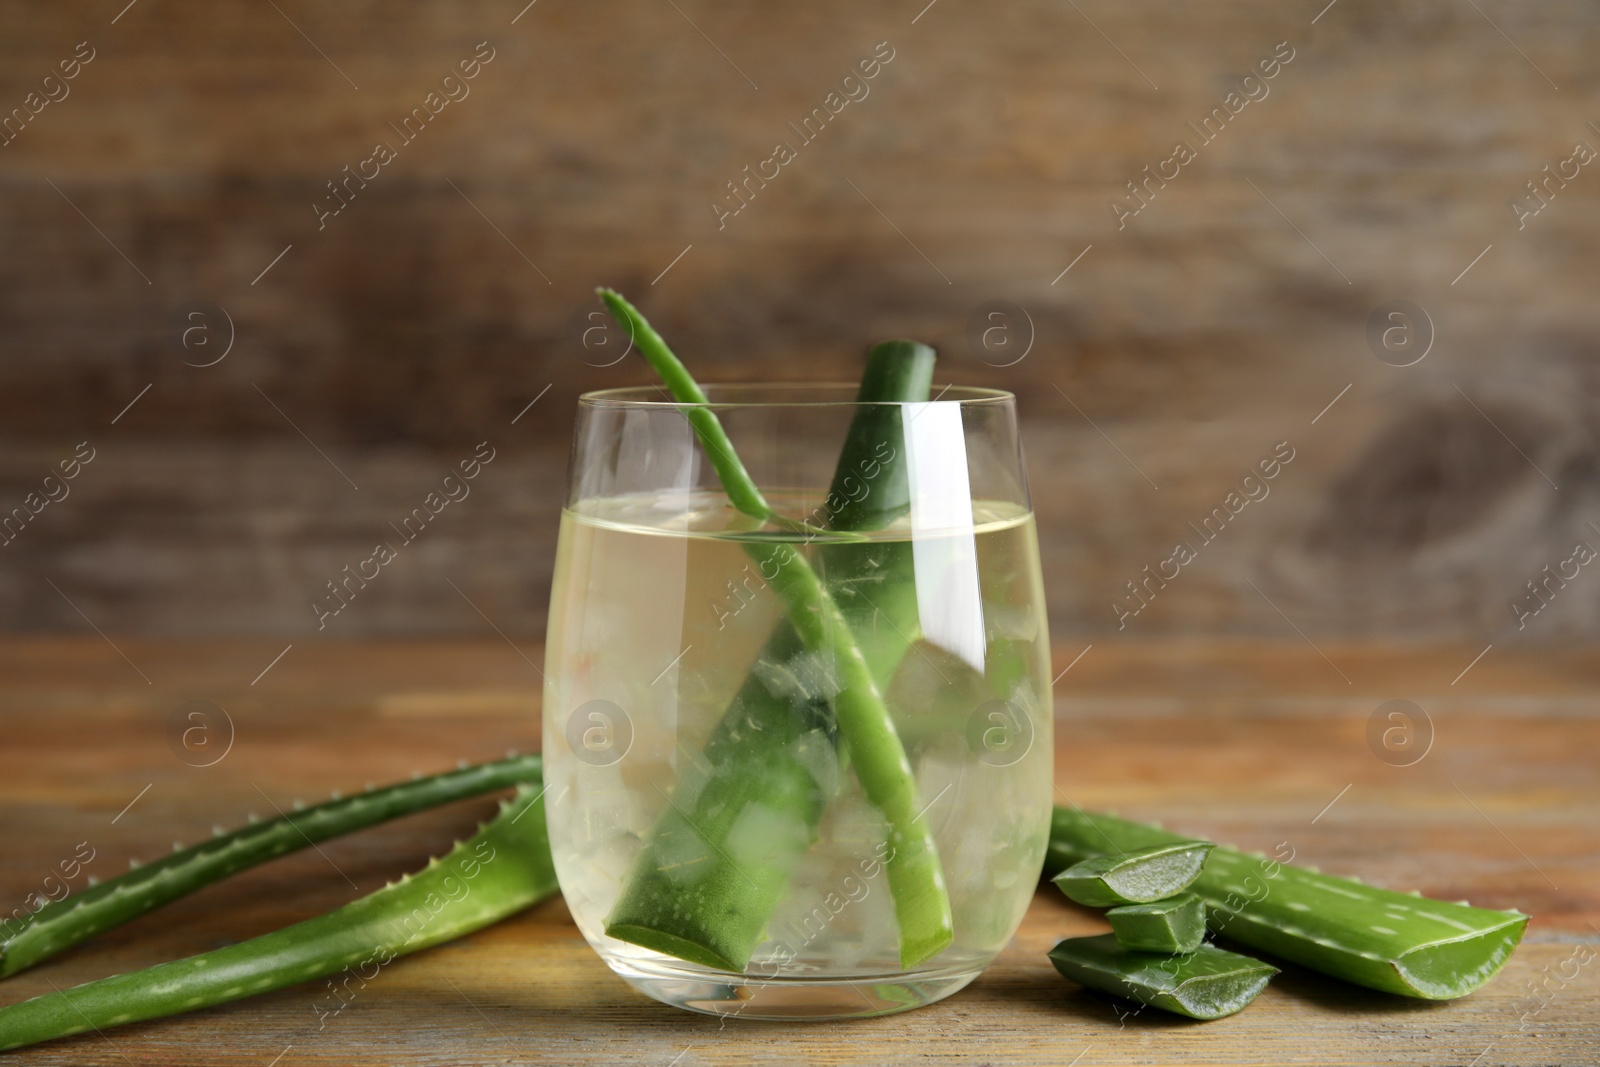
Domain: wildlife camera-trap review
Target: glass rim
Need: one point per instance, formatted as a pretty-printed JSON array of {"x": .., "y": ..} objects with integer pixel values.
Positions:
[{"x": 802, "y": 395}]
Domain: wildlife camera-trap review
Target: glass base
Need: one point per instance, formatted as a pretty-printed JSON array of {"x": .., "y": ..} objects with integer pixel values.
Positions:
[{"x": 790, "y": 998}]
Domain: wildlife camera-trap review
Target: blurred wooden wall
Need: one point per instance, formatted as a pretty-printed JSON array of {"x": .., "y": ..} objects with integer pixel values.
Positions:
[{"x": 377, "y": 347}]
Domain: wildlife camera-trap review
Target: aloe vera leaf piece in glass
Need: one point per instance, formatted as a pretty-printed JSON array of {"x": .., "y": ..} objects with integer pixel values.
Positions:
[
  {"x": 916, "y": 879},
  {"x": 1207, "y": 983},
  {"x": 502, "y": 869},
  {"x": 61, "y": 924},
  {"x": 1175, "y": 925},
  {"x": 773, "y": 752},
  {"x": 1399, "y": 943},
  {"x": 1137, "y": 876}
]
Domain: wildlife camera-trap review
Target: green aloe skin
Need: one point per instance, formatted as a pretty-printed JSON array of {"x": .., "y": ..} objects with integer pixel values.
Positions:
[
  {"x": 1138, "y": 876},
  {"x": 1395, "y": 942},
  {"x": 774, "y": 751},
  {"x": 1207, "y": 983},
  {"x": 506, "y": 867},
  {"x": 61, "y": 924},
  {"x": 1175, "y": 925},
  {"x": 502, "y": 869}
]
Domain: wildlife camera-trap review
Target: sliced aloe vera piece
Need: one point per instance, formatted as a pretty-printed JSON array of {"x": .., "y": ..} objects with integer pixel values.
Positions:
[
  {"x": 1396, "y": 942},
  {"x": 1177, "y": 924},
  {"x": 1207, "y": 983},
  {"x": 1137, "y": 876}
]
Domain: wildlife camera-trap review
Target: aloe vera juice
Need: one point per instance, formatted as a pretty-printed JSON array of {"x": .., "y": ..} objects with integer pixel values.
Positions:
[{"x": 661, "y": 615}]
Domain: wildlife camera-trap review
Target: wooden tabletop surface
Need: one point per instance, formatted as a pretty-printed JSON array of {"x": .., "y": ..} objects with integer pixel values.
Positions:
[{"x": 1245, "y": 743}]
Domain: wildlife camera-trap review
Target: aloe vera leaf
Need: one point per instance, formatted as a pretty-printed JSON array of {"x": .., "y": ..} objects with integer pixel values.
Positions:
[
  {"x": 916, "y": 880},
  {"x": 772, "y": 756},
  {"x": 1175, "y": 925},
  {"x": 1137, "y": 876},
  {"x": 502, "y": 869},
  {"x": 61, "y": 924},
  {"x": 1395, "y": 942},
  {"x": 736, "y": 481},
  {"x": 688, "y": 893},
  {"x": 897, "y": 372},
  {"x": 1207, "y": 983}
]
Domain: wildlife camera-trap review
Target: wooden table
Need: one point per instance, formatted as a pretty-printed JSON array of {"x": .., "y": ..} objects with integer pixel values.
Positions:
[{"x": 1248, "y": 743}]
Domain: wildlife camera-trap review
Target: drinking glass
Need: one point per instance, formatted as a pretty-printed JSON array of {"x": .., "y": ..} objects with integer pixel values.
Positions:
[{"x": 801, "y": 767}]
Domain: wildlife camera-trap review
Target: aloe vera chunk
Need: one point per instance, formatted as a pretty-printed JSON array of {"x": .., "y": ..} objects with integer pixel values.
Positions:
[
  {"x": 720, "y": 925},
  {"x": 1176, "y": 925},
  {"x": 1135, "y": 877},
  {"x": 1399, "y": 943},
  {"x": 61, "y": 924},
  {"x": 1207, "y": 983},
  {"x": 500, "y": 870}
]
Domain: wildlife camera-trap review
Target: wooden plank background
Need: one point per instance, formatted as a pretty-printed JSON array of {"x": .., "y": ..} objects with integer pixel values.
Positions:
[
  {"x": 1237, "y": 740},
  {"x": 423, "y": 318},
  {"x": 179, "y": 169}
]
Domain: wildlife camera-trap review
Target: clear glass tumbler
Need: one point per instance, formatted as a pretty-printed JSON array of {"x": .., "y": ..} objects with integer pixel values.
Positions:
[{"x": 800, "y": 766}]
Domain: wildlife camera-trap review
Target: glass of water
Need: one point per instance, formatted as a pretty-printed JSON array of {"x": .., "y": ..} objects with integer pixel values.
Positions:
[{"x": 798, "y": 769}]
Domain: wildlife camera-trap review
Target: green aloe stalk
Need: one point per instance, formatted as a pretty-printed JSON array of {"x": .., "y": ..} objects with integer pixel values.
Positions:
[
  {"x": 500, "y": 870},
  {"x": 916, "y": 880},
  {"x": 718, "y": 921},
  {"x": 61, "y": 924},
  {"x": 1207, "y": 983},
  {"x": 1395, "y": 942},
  {"x": 736, "y": 481}
]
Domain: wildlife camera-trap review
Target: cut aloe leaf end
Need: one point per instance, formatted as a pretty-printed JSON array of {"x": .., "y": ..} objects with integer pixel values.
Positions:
[
  {"x": 1138, "y": 876},
  {"x": 1174, "y": 925},
  {"x": 1208, "y": 983},
  {"x": 1400, "y": 943}
]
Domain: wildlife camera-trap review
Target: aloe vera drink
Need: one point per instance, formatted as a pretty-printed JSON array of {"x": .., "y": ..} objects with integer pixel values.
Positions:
[{"x": 660, "y": 614}]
